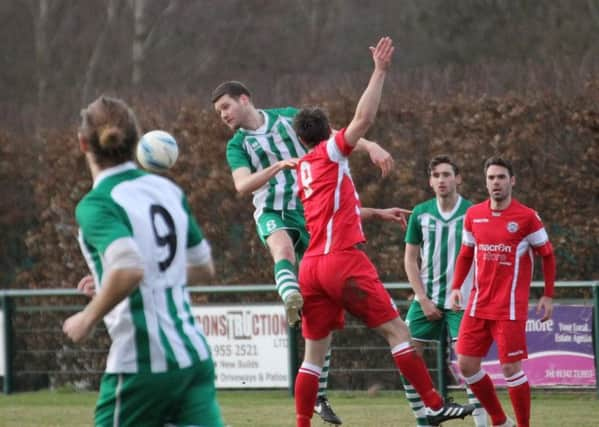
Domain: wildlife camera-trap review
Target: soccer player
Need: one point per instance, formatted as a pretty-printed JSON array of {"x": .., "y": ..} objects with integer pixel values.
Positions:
[
  {"x": 262, "y": 156},
  {"x": 143, "y": 246},
  {"x": 335, "y": 273},
  {"x": 434, "y": 235},
  {"x": 500, "y": 236}
]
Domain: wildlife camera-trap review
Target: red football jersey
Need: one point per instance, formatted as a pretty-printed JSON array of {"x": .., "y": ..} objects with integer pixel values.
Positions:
[
  {"x": 331, "y": 203},
  {"x": 503, "y": 243}
]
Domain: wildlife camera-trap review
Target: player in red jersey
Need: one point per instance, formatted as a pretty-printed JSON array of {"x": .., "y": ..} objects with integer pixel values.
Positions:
[
  {"x": 500, "y": 236},
  {"x": 335, "y": 274}
]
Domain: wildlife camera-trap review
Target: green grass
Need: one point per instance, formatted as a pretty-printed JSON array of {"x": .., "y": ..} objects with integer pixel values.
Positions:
[{"x": 275, "y": 408}]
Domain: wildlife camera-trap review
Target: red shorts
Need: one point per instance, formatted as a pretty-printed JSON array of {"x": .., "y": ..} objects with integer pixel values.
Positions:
[
  {"x": 337, "y": 281},
  {"x": 476, "y": 335}
]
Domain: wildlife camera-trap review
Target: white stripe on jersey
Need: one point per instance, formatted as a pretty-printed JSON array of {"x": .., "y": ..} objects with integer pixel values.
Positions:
[
  {"x": 157, "y": 353},
  {"x": 538, "y": 238},
  {"x": 474, "y": 282},
  {"x": 336, "y": 200},
  {"x": 521, "y": 250},
  {"x": 468, "y": 238},
  {"x": 335, "y": 155},
  {"x": 170, "y": 332},
  {"x": 437, "y": 265},
  {"x": 190, "y": 331}
]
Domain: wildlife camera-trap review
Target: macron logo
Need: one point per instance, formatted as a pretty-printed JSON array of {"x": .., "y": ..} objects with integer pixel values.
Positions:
[{"x": 500, "y": 247}]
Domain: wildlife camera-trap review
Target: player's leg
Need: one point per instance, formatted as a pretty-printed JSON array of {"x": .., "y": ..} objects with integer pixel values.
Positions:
[
  {"x": 306, "y": 382},
  {"x": 474, "y": 340},
  {"x": 272, "y": 230},
  {"x": 296, "y": 224},
  {"x": 422, "y": 330},
  {"x": 510, "y": 336},
  {"x": 453, "y": 320},
  {"x": 364, "y": 296}
]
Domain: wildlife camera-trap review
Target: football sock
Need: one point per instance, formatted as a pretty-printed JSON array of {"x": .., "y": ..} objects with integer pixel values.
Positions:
[
  {"x": 484, "y": 390},
  {"x": 479, "y": 414},
  {"x": 286, "y": 278},
  {"x": 324, "y": 376},
  {"x": 306, "y": 387},
  {"x": 519, "y": 390},
  {"x": 412, "y": 366},
  {"x": 416, "y": 404}
]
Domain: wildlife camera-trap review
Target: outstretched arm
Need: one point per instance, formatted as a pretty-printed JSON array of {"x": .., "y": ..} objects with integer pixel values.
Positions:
[
  {"x": 247, "y": 182},
  {"x": 390, "y": 214},
  {"x": 369, "y": 102}
]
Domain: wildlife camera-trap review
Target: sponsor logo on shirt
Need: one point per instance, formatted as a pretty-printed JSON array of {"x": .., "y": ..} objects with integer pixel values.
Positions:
[
  {"x": 512, "y": 226},
  {"x": 477, "y": 220},
  {"x": 499, "y": 247}
]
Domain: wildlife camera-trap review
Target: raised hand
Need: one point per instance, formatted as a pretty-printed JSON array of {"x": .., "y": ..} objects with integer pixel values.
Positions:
[{"x": 382, "y": 53}]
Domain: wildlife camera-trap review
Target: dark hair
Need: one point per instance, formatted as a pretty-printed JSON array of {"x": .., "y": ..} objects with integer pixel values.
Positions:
[
  {"x": 440, "y": 159},
  {"x": 312, "y": 126},
  {"x": 498, "y": 161},
  {"x": 232, "y": 88},
  {"x": 110, "y": 127}
]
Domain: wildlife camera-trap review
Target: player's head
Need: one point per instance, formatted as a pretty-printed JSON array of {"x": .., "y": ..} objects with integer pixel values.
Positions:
[
  {"x": 108, "y": 131},
  {"x": 443, "y": 176},
  {"x": 499, "y": 175},
  {"x": 311, "y": 126},
  {"x": 232, "y": 101}
]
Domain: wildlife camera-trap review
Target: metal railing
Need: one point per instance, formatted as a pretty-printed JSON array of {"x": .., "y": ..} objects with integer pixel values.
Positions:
[{"x": 9, "y": 307}]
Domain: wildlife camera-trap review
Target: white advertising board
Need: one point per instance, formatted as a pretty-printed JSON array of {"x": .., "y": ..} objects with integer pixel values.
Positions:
[{"x": 249, "y": 344}]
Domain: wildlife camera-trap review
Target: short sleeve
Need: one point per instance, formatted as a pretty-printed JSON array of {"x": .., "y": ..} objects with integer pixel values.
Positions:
[
  {"x": 102, "y": 222},
  {"x": 467, "y": 236},
  {"x": 537, "y": 235},
  {"x": 237, "y": 157},
  {"x": 414, "y": 230}
]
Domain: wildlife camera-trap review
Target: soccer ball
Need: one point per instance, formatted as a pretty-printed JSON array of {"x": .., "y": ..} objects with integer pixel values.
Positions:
[{"x": 157, "y": 151}]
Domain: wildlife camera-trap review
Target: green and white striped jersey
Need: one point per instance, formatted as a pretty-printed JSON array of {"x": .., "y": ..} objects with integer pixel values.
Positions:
[
  {"x": 153, "y": 329},
  {"x": 439, "y": 236},
  {"x": 275, "y": 140}
]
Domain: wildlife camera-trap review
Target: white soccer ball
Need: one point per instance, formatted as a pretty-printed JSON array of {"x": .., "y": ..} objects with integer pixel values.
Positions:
[{"x": 157, "y": 151}]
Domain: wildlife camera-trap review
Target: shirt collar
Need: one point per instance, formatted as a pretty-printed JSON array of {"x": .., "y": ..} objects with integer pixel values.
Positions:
[{"x": 113, "y": 171}]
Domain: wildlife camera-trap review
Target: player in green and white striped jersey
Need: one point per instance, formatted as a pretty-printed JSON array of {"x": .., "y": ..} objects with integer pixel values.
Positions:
[
  {"x": 143, "y": 246},
  {"x": 262, "y": 155},
  {"x": 434, "y": 235}
]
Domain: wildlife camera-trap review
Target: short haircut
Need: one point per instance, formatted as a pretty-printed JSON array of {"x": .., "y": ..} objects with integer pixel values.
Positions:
[
  {"x": 312, "y": 126},
  {"x": 499, "y": 161},
  {"x": 441, "y": 159},
  {"x": 232, "y": 88}
]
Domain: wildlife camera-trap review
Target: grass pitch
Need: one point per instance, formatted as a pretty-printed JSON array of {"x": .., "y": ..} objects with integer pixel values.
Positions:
[{"x": 276, "y": 409}]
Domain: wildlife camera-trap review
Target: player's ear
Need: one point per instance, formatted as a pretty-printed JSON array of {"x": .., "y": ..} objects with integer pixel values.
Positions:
[
  {"x": 244, "y": 99},
  {"x": 458, "y": 179},
  {"x": 83, "y": 143},
  {"x": 513, "y": 180}
]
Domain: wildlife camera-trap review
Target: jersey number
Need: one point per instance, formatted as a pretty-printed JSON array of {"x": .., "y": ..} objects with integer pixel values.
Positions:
[
  {"x": 168, "y": 239},
  {"x": 306, "y": 179}
]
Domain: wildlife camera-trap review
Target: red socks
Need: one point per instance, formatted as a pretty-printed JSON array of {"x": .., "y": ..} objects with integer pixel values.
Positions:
[
  {"x": 484, "y": 390},
  {"x": 306, "y": 389},
  {"x": 412, "y": 366},
  {"x": 519, "y": 390}
]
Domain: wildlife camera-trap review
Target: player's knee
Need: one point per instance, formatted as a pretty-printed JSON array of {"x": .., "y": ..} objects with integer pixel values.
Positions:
[{"x": 510, "y": 369}]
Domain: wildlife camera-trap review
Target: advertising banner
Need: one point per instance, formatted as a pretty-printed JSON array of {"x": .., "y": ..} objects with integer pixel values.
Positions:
[
  {"x": 560, "y": 350},
  {"x": 249, "y": 344}
]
